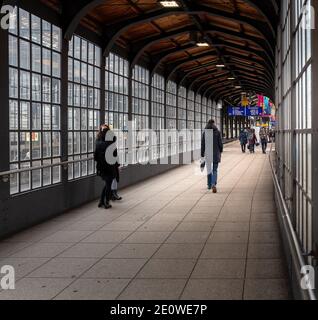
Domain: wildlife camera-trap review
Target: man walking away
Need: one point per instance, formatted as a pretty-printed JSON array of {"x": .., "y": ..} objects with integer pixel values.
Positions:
[
  {"x": 211, "y": 149},
  {"x": 264, "y": 138}
]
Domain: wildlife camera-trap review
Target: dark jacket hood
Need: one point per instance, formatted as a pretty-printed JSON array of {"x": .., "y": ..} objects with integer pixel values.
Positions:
[{"x": 211, "y": 126}]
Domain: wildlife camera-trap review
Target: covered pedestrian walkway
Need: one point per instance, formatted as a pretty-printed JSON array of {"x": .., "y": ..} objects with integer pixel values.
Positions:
[
  {"x": 157, "y": 74},
  {"x": 169, "y": 239}
]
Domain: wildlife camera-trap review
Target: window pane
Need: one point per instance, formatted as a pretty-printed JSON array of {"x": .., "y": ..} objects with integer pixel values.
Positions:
[
  {"x": 36, "y": 29},
  {"x": 14, "y": 115},
  {"x": 24, "y": 146},
  {"x": 14, "y": 180},
  {"x": 56, "y": 117},
  {"x": 36, "y": 58},
  {"x": 25, "y": 116},
  {"x": 36, "y": 145},
  {"x": 13, "y": 27},
  {"x": 56, "y": 144},
  {"x": 56, "y": 172},
  {"x": 25, "y": 85},
  {"x": 13, "y": 83},
  {"x": 46, "y": 144},
  {"x": 36, "y": 87},
  {"x": 56, "y": 91},
  {"x": 47, "y": 173},
  {"x": 13, "y": 51},
  {"x": 46, "y": 61},
  {"x": 24, "y": 24},
  {"x": 25, "y": 177},
  {"x": 24, "y": 54},
  {"x": 46, "y": 119},
  {"x": 77, "y": 142},
  {"x": 14, "y": 147},
  {"x": 77, "y": 47},
  {"x": 46, "y": 34},
  {"x": 56, "y": 39},
  {"x": 36, "y": 116},
  {"x": 46, "y": 91},
  {"x": 36, "y": 175},
  {"x": 56, "y": 64}
]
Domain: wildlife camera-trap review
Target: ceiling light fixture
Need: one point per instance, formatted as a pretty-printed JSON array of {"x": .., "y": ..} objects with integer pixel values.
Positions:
[
  {"x": 202, "y": 44},
  {"x": 231, "y": 78},
  {"x": 170, "y": 4},
  {"x": 220, "y": 65},
  {"x": 238, "y": 87}
]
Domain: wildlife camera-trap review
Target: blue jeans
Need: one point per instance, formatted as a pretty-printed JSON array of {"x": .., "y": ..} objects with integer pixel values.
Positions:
[{"x": 212, "y": 169}]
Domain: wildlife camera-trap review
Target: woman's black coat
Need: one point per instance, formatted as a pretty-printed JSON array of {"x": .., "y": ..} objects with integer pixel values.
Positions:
[{"x": 104, "y": 169}]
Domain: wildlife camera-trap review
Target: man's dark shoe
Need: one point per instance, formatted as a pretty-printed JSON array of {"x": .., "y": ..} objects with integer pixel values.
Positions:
[
  {"x": 108, "y": 206},
  {"x": 101, "y": 205}
]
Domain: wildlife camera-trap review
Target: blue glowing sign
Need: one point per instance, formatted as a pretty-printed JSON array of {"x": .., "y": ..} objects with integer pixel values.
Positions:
[
  {"x": 245, "y": 112},
  {"x": 236, "y": 111},
  {"x": 254, "y": 111}
]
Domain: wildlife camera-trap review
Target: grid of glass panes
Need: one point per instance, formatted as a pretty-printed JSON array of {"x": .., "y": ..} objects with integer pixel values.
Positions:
[
  {"x": 198, "y": 111},
  {"x": 84, "y": 64},
  {"x": 286, "y": 107},
  {"x": 157, "y": 114},
  {"x": 210, "y": 109},
  {"x": 35, "y": 97},
  {"x": 182, "y": 108},
  {"x": 204, "y": 112},
  {"x": 190, "y": 119},
  {"x": 171, "y": 116},
  {"x": 217, "y": 113},
  {"x": 198, "y": 121},
  {"x": 304, "y": 129},
  {"x": 182, "y": 117},
  {"x": 140, "y": 111},
  {"x": 171, "y": 105},
  {"x": 116, "y": 100}
]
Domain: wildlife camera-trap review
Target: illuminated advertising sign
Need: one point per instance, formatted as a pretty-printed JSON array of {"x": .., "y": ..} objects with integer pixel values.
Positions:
[
  {"x": 236, "y": 111},
  {"x": 254, "y": 111},
  {"x": 245, "y": 112}
]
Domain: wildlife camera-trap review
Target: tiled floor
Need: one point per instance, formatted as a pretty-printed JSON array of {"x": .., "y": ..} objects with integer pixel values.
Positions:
[{"x": 169, "y": 239}]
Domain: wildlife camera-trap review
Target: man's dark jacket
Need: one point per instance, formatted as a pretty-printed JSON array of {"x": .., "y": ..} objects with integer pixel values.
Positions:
[{"x": 217, "y": 143}]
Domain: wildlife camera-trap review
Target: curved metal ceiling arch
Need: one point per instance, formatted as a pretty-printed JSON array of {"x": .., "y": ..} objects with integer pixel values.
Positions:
[
  {"x": 186, "y": 74},
  {"x": 141, "y": 46},
  {"x": 225, "y": 92},
  {"x": 211, "y": 80},
  {"x": 171, "y": 70},
  {"x": 268, "y": 10},
  {"x": 116, "y": 30},
  {"x": 161, "y": 57},
  {"x": 80, "y": 8},
  {"x": 248, "y": 85}
]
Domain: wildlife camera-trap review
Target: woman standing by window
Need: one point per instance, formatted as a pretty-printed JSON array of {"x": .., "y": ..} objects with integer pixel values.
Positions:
[{"x": 105, "y": 169}]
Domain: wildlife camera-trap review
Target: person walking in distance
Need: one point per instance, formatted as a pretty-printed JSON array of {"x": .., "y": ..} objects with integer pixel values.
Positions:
[
  {"x": 264, "y": 139},
  {"x": 243, "y": 140},
  {"x": 252, "y": 140},
  {"x": 211, "y": 150}
]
